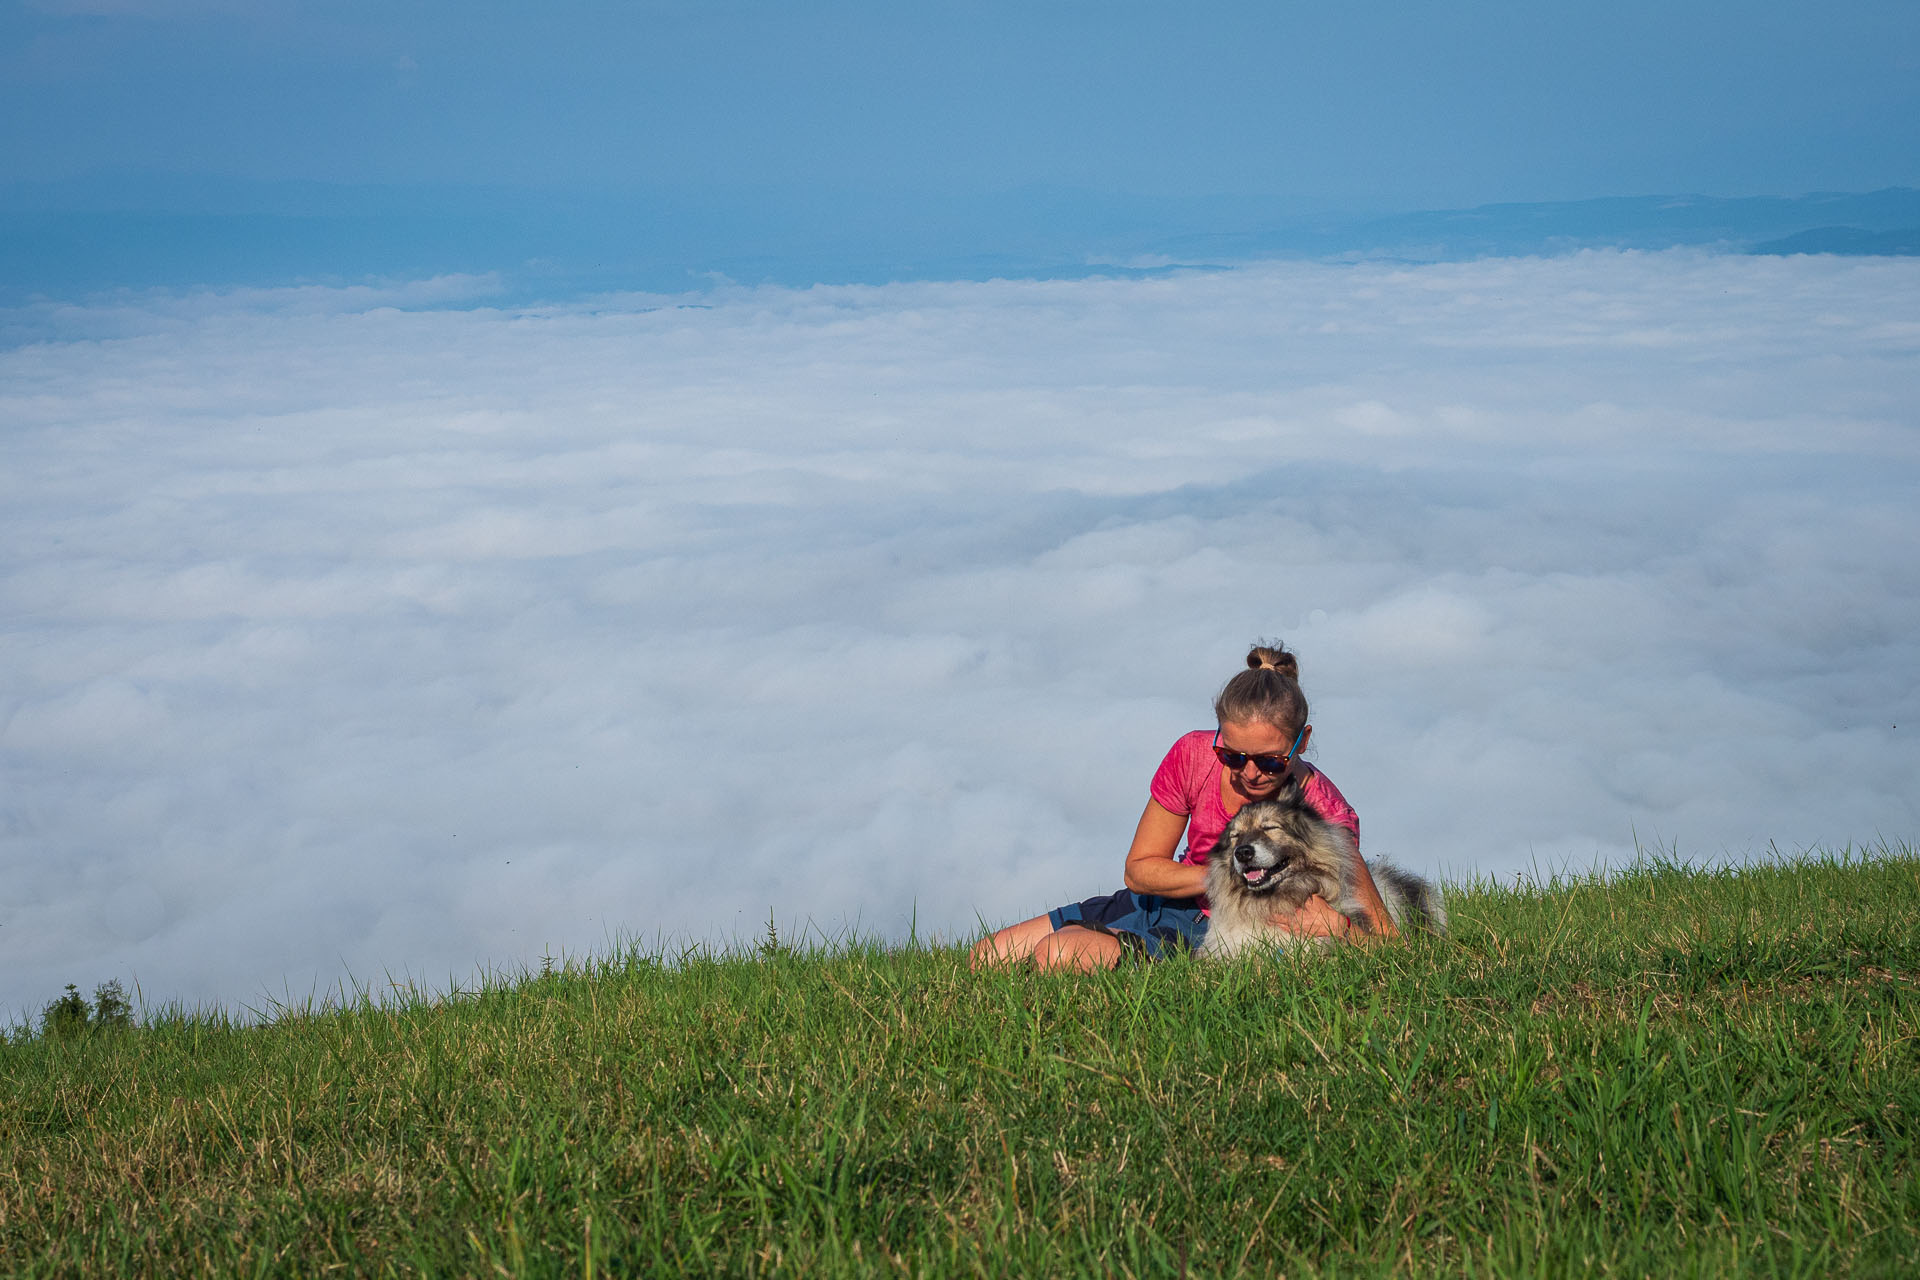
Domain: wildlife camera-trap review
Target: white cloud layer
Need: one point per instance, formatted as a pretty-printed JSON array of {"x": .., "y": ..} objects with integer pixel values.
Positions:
[{"x": 402, "y": 642}]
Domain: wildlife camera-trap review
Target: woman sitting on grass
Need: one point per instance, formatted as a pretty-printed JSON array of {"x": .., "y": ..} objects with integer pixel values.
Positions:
[{"x": 1203, "y": 782}]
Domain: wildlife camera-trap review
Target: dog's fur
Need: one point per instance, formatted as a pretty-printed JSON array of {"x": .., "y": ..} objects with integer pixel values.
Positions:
[{"x": 1276, "y": 854}]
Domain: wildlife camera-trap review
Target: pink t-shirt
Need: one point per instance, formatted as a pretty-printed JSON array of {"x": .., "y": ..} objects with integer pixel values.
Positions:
[{"x": 1188, "y": 783}]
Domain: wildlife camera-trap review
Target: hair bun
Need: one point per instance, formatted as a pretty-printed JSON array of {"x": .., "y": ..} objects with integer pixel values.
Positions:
[{"x": 1273, "y": 658}]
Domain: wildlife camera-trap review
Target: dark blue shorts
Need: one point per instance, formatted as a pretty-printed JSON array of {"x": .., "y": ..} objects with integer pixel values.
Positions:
[{"x": 1146, "y": 925}]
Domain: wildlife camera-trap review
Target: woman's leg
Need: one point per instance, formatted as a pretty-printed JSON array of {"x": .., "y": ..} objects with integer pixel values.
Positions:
[
  {"x": 1013, "y": 943},
  {"x": 1068, "y": 947},
  {"x": 1082, "y": 950}
]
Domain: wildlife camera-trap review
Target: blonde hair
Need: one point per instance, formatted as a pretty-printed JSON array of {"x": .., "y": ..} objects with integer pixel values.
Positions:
[{"x": 1268, "y": 691}]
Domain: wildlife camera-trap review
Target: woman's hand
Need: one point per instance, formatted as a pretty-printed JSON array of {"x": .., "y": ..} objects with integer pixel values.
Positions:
[{"x": 1315, "y": 918}]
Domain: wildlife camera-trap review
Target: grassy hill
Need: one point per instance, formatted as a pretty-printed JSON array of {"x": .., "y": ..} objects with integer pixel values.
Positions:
[{"x": 1670, "y": 1073}]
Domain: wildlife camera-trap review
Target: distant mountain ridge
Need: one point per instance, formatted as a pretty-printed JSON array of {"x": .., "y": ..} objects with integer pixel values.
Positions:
[
  {"x": 1839, "y": 223},
  {"x": 76, "y": 241},
  {"x": 1850, "y": 241}
]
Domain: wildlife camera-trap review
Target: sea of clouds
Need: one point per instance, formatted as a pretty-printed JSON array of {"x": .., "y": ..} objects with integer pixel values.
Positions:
[{"x": 381, "y": 633}]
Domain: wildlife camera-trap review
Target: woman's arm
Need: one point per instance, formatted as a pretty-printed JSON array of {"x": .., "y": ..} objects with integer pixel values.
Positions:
[
  {"x": 1381, "y": 925},
  {"x": 1316, "y": 917},
  {"x": 1150, "y": 864}
]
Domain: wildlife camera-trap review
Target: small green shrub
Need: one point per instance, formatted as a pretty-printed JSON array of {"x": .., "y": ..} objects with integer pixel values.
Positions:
[
  {"x": 72, "y": 1015},
  {"x": 67, "y": 1017},
  {"x": 111, "y": 1009}
]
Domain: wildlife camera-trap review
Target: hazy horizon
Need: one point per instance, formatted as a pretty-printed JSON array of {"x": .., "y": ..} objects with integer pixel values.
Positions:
[{"x": 594, "y": 146}]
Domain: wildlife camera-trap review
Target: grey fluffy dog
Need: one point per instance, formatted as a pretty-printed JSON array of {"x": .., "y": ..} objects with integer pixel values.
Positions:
[{"x": 1276, "y": 854}]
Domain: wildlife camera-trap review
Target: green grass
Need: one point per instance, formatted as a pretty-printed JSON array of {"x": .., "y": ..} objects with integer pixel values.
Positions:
[{"x": 1669, "y": 1073}]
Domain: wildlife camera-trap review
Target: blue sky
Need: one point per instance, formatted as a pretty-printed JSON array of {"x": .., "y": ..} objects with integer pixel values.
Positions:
[{"x": 1362, "y": 106}]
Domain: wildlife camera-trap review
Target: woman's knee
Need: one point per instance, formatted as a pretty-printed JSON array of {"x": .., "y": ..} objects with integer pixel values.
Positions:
[
  {"x": 1013, "y": 943},
  {"x": 992, "y": 949}
]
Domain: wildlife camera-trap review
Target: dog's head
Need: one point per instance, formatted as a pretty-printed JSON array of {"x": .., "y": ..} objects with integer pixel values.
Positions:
[{"x": 1281, "y": 847}]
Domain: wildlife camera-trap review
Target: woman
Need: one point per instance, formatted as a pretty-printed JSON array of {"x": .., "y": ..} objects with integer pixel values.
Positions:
[{"x": 1205, "y": 779}]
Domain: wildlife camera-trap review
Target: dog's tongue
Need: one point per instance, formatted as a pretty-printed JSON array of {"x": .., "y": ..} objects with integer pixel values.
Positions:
[{"x": 1256, "y": 874}]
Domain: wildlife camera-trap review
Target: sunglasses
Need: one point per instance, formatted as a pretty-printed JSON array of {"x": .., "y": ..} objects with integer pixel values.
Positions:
[{"x": 1265, "y": 764}]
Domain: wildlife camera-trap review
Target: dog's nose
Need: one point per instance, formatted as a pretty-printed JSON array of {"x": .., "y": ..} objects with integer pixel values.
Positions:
[{"x": 1244, "y": 853}]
